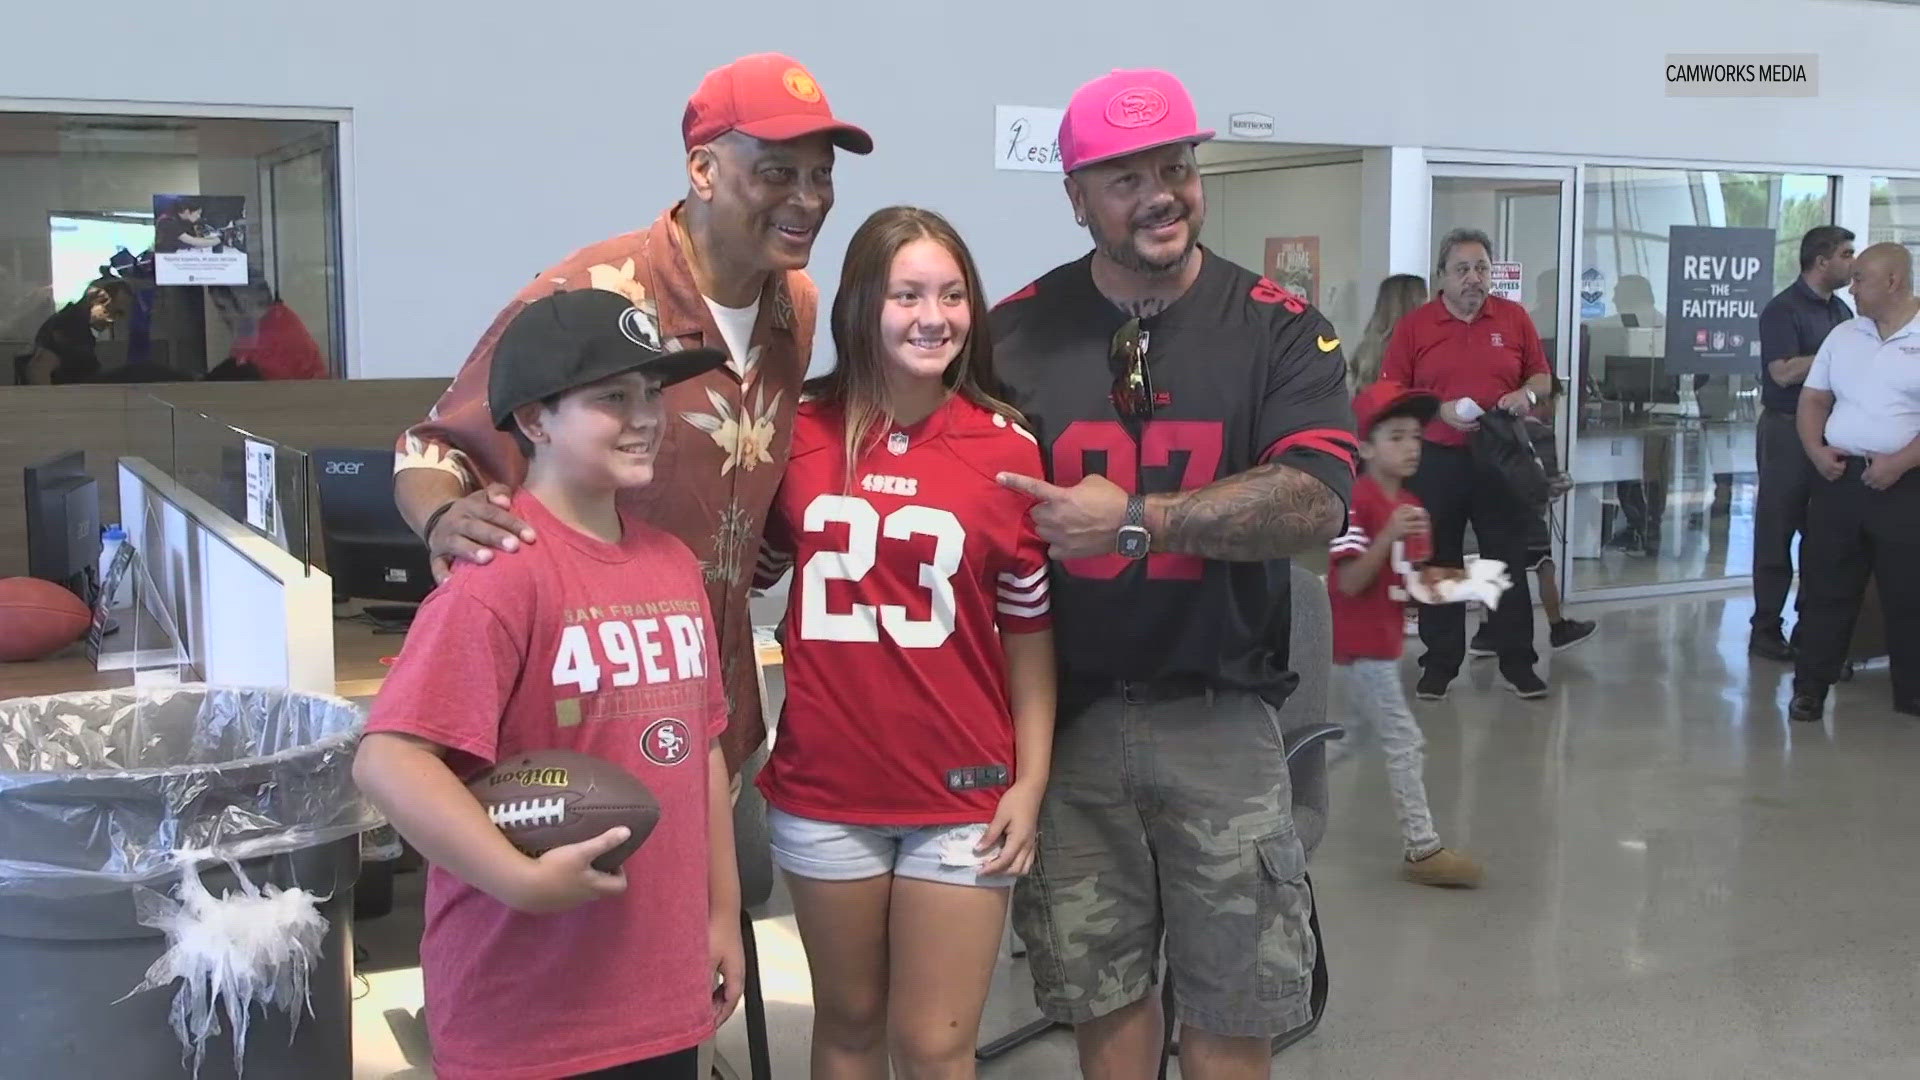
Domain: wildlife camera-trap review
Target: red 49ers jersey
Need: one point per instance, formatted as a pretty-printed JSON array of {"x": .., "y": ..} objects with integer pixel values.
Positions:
[
  {"x": 1372, "y": 625},
  {"x": 896, "y": 710}
]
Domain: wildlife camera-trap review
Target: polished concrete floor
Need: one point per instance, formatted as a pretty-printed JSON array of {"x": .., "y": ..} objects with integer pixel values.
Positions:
[{"x": 1681, "y": 884}]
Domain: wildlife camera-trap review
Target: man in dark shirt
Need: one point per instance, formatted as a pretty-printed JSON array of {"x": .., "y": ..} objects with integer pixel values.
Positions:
[
  {"x": 1193, "y": 418},
  {"x": 1792, "y": 326},
  {"x": 180, "y": 230}
]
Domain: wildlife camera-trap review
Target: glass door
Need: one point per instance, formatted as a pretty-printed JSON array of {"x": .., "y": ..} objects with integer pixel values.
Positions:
[
  {"x": 1668, "y": 391},
  {"x": 1528, "y": 212}
]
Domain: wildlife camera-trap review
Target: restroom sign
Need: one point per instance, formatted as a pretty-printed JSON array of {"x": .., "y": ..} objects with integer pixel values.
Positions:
[{"x": 1506, "y": 281}]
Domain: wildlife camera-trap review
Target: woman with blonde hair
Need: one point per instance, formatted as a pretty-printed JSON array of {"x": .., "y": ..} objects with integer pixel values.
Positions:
[{"x": 1399, "y": 294}]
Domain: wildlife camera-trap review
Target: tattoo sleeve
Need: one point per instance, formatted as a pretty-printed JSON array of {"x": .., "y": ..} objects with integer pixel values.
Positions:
[{"x": 1270, "y": 511}]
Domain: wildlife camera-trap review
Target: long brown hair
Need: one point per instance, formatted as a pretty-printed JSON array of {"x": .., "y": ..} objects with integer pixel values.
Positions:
[
  {"x": 858, "y": 382},
  {"x": 1399, "y": 294}
]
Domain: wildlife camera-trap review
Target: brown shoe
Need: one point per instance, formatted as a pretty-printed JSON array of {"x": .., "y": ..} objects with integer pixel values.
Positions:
[{"x": 1446, "y": 868}]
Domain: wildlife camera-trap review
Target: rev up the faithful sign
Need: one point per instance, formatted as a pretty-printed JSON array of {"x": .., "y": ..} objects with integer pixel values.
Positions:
[{"x": 1717, "y": 282}]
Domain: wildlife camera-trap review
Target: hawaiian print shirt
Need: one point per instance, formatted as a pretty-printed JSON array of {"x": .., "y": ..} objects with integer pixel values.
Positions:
[{"x": 726, "y": 438}]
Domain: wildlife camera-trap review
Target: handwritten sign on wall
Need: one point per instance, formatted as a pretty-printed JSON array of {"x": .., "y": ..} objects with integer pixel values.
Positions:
[{"x": 1026, "y": 138}]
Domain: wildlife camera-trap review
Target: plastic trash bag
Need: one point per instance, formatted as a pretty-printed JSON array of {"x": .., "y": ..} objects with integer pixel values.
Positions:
[
  {"x": 102, "y": 790},
  {"x": 250, "y": 948}
]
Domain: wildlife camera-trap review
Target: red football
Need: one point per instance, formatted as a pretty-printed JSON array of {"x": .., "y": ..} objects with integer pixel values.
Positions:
[
  {"x": 38, "y": 619},
  {"x": 551, "y": 798}
]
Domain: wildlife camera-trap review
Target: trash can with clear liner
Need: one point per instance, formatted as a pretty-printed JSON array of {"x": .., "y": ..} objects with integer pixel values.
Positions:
[{"x": 107, "y": 799}]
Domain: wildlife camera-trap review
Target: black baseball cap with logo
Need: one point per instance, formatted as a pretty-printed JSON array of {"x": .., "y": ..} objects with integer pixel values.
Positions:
[{"x": 569, "y": 339}]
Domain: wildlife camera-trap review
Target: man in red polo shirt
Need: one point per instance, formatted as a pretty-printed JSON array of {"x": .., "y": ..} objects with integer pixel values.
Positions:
[{"x": 1468, "y": 343}]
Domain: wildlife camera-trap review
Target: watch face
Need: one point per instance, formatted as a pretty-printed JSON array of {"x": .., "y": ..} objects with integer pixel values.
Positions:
[{"x": 1133, "y": 542}]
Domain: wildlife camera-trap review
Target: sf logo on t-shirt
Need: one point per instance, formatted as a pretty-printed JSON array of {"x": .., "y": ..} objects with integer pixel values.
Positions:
[{"x": 666, "y": 742}]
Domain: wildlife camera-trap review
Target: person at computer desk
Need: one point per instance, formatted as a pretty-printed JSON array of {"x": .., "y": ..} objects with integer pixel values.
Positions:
[
  {"x": 66, "y": 347},
  {"x": 1468, "y": 343},
  {"x": 183, "y": 229},
  {"x": 723, "y": 267},
  {"x": 1643, "y": 502}
]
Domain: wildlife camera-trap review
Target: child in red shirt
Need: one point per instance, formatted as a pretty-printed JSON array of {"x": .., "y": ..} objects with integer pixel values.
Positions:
[
  {"x": 1364, "y": 585},
  {"x": 597, "y": 639}
]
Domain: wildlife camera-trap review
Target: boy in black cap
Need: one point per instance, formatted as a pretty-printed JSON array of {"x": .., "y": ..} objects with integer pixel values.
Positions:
[{"x": 598, "y": 640}]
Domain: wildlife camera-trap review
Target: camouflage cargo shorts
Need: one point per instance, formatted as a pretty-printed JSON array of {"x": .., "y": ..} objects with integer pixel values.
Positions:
[{"x": 1174, "y": 817}]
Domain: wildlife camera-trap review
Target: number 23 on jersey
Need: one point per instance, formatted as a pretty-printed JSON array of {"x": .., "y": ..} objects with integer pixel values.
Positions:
[{"x": 863, "y": 622}]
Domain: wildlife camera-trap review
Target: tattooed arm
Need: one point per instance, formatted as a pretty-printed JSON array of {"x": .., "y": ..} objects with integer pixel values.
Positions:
[
  {"x": 1296, "y": 498},
  {"x": 1271, "y": 511}
]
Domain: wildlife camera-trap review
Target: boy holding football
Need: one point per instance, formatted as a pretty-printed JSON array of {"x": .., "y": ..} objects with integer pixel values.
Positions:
[{"x": 598, "y": 640}]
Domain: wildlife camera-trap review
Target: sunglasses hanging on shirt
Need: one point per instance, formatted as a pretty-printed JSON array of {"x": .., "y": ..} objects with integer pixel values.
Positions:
[{"x": 1132, "y": 394}]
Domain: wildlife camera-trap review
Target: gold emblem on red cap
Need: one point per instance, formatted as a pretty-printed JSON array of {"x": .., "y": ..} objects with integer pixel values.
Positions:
[{"x": 801, "y": 85}]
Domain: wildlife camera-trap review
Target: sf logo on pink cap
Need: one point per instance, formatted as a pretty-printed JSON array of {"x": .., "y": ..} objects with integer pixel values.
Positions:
[{"x": 1136, "y": 107}]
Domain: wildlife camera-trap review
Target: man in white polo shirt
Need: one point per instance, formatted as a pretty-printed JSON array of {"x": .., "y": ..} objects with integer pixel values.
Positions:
[{"x": 1859, "y": 419}]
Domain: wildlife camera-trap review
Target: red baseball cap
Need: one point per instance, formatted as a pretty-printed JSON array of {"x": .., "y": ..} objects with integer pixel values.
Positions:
[
  {"x": 1124, "y": 113},
  {"x": 767, "y": 96},
  {"x": 1385, "y": 400}
]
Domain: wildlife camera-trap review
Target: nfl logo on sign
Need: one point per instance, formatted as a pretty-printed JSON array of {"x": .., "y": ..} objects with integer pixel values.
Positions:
[{"x": 897, "y": 443}]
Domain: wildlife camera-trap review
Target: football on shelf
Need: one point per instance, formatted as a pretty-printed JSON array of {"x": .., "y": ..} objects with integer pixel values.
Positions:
[
  {"x": 551, "y": 798},
  {"x": 38, "y": 619}
]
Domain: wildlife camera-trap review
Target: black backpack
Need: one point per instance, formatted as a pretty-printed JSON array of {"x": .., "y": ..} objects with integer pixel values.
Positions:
[{"x": 1503, "y": 447}]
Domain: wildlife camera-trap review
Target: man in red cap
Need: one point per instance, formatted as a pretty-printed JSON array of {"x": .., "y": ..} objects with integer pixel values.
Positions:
[
  {"x": 724, "y": 268},
  {"x": 1195, "y": 424}
]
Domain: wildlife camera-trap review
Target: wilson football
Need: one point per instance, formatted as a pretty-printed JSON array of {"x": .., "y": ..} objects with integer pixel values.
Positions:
[
  {"x": 38, "y": 619},
  {"x": 551, "y": 798}
]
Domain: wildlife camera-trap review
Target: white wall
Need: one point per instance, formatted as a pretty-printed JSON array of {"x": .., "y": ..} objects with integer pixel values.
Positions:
[{"x": 488, "y": 138}]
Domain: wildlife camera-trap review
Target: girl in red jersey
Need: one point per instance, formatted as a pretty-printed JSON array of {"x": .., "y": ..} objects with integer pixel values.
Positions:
[{"x": 906, "y": 774}]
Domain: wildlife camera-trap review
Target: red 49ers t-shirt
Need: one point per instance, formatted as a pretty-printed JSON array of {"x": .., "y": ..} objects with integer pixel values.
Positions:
[
  {"x": 904, "y": 580},
  {"x": 606, "y": 649},
  {"x": 1370, "y": 626}
]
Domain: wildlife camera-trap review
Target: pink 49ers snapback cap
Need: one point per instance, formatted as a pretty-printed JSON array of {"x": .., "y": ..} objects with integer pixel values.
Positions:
[{"x": 1124, "y": 113}]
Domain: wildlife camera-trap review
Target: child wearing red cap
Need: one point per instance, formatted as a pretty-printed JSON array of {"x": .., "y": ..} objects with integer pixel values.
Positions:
[{"x": 1386, "y": 525}]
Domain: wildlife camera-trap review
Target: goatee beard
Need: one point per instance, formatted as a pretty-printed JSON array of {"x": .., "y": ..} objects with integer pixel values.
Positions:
[{"x": 1125, "y": 255}]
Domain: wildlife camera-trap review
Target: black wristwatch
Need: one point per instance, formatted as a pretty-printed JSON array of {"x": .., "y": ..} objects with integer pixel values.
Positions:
[{"x": 1133, "y": 541}]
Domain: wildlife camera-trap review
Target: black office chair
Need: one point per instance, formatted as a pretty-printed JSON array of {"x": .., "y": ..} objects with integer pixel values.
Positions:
[{"x": 1305, "y": 733}]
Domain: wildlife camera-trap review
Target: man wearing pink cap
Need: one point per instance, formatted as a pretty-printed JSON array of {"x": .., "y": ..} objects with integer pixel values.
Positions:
[
  {"x": 724, "y": 267},
  {"x": 1195, "y": 424}
]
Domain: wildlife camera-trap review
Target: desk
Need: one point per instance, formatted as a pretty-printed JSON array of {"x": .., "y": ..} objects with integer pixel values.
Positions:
[
  {"x": 1610, "y": 453},
  {"x": 357, "y": 651}
]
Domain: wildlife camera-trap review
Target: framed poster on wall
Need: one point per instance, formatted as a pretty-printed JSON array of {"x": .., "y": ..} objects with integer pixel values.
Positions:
[
  {"x": 1293, "y": 263},
  {"x": 200, "y": 239}
]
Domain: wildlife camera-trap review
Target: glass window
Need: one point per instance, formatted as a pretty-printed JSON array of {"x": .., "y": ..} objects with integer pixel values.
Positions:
[
  {"x": 160, "y": 249},
  {"x": 1894, "y": 215},
  {"x": 1663, "y": 464}
]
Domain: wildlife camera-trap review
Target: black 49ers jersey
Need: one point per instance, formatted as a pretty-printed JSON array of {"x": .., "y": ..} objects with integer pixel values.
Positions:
[
  {"x": 897, "y": 709},
  {"x": 1244, "y": 373}
]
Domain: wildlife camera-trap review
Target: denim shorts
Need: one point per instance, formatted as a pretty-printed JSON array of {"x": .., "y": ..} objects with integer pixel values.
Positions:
[{"x": 831, "y": 851}]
